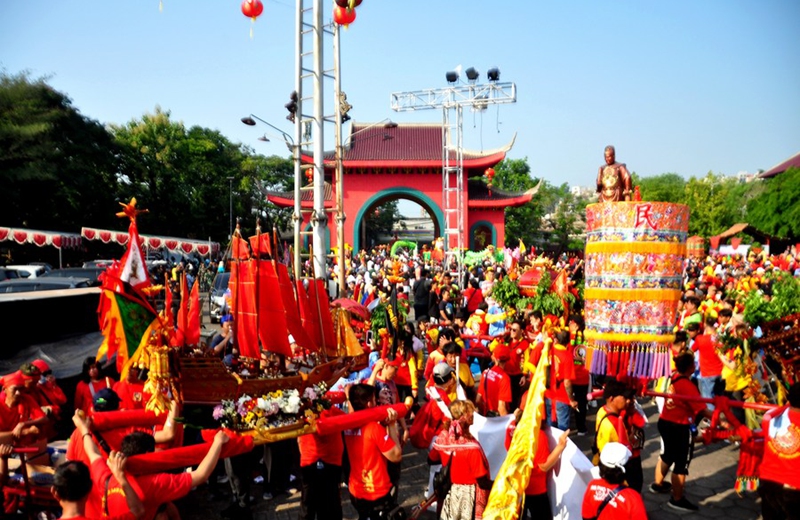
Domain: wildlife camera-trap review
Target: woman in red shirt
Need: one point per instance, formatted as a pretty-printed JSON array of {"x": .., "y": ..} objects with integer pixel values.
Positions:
[
  {"x": 469, "y": 469},
  {"x": 91, "y": 383}
]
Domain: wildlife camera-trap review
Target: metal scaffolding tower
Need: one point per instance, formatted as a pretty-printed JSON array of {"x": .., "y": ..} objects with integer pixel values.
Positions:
[
  {"x": 452, "y": 101},
  {"x": 308, "y": 127}
]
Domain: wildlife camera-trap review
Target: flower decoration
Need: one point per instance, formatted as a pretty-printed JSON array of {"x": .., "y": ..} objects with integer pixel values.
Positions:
[{"x": 272, "y": 410}]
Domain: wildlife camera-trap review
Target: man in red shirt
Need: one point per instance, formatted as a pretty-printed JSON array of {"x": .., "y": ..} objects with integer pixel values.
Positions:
[
  {"x": 517, "y": 345},
  {"x": 607, "y": 497},
  {"x": 710, "y": 365},
  {"x": 494, "y": 390},
  {"x": 369, "y": 448},
  {"x": 562, "y": 374},
  {"x": 153, "y": 490},
  {"x": 321, "y": 468},
  {"x": 676, "y": 436},
  {"x": 131, "y": 391},
  {"x": 779, "y": 476},
  {"x": 21, "y": 418}
]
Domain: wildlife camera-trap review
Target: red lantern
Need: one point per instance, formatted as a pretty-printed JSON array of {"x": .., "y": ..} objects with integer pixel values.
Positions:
[
  {"x": 344, "y": 16},
  {"x": 489, "y": 174},
  {"x": 252, "y": 8},
  {"x": 310, "y": 175}
]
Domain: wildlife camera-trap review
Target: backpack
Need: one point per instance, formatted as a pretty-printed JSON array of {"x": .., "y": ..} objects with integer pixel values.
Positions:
[
  {"x": 442, "y": 481},
  {"x": 424, "y": 427},
  {"x": 595, "y": 449}
]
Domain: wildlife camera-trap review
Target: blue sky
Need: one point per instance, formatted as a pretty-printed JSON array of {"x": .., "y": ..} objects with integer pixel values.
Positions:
[{"x": 679, "y": 86}]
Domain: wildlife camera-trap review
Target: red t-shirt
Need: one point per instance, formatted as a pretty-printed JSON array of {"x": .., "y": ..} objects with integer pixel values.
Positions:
[
  {"x": 627, "y": 505},
  {"x": 469, "y": 463},
  {"x": 131, "y": 395},
  {"x": 152, "y": 490},
  {"x": 538, "y": 483},
  {"x": 369, "y": 479},
  {"x": 562, "y": 369},
  {"x": 579, "y": 359},
  {"x": 782, "y": 447},
  {"x": 327, "y": 448},
  {"x": 681, "y": 411},
  {"x": 514, "y": 365},
  {"x": 710, "y": 364},
  {"x": 495, "y": 387},
  {"x": 112, "y": 437}
]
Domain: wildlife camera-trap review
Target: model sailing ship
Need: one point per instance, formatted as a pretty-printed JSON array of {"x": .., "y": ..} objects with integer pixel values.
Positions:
[{"x": 278, "y": 386}]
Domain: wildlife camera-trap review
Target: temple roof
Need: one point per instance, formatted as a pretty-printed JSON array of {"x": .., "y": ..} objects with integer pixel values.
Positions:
[
  {"x": 286, "y": 198},
  {"x": 404, "y": 145},
  {"x": 791, "y": 162},
  {"x": 480, "y": 197}
]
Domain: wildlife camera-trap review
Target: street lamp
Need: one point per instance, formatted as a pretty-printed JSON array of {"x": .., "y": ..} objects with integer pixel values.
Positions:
[
  {"x": 230, "y": 206},
  {"x": 296, "y": 217}
]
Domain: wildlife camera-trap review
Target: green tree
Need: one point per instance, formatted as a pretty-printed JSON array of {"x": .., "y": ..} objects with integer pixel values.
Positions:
[
  {"x": 708, "y": 200},
  {"x": 523, "y": 222},
  {"x": 666, "y": 187},
  {"x": 776, "y": 210},
  {"x": 380, "y": 221},
  {"x": 57, "y": 167}
]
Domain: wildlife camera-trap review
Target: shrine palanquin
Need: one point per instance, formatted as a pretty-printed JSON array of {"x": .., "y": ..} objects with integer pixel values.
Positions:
[{"x": 405, "y": 162}]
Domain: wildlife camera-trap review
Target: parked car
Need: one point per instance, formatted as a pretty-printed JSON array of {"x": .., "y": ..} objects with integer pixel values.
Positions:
[
  {"x": 218, "y": 288},
  {"x": 43, "y": 284},
  {"x": 103, "y": 264},
  {"x": 28, "y": 271},
  {"x": 92, "y": 273},
  {"x": 8, "y": 274}
]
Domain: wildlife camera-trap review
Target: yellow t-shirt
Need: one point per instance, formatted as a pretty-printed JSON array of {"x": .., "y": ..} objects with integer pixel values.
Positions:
[{"x": 606, "y": 431}]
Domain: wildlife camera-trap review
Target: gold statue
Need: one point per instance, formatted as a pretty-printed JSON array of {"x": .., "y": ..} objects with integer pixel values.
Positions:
[{"x": 613, "y": 179}]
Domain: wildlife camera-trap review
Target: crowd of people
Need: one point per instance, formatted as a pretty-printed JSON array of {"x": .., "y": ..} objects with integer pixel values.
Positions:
[{"x": 459, "y": 353}]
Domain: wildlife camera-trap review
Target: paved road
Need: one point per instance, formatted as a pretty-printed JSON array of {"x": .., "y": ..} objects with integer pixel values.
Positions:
[{"x": 710, "y": 485}]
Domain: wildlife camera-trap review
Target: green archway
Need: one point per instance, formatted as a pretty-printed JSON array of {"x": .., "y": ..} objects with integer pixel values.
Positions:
[
  {"x": 392, "y": 194},
  {"x": 472, "y": 242},
  {"x": 307, "y": 238}
]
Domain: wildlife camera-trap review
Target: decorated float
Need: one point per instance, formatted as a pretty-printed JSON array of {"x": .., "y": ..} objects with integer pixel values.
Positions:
[{"x": 291, "y": 345}]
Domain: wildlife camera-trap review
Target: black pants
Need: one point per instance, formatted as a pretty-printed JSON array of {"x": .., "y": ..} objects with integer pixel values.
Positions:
[
  {"x": 538, "y": 507},
  {"x": 580, "y": 391},
  {"x": 516, "y": 391},
  {"x": 634, "y": 475},
  {"x": 778, "y": 502},
  {"x": 320, "y": 492},
  {"x": 370, "y": 509}
]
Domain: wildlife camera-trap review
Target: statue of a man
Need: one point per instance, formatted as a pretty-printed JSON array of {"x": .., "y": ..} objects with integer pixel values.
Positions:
[{"x": 613, "y": 179}]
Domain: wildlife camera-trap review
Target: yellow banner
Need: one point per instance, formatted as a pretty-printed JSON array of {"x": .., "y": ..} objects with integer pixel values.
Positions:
[
  {"x": 664, "y": 295},
  {"x": 668, "y": 248}
]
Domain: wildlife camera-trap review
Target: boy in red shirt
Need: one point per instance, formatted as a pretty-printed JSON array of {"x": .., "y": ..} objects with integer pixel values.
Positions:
[
  {"x": 674, "y": 428},
  {"x": 710, "y": 364},
  {"x": 369, "y": 448},
  {"x": 562, "y": 374},
  {"x": 779, "y": 478},
  {"x": 607, "y": 497},
  {"x": 494, "y": 390},
  {"x": 517, "y": 345},
  {"x": 321, "y": 468}
]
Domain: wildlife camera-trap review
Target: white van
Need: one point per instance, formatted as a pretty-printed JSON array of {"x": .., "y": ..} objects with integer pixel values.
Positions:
[{"x": 28, "y": 271}]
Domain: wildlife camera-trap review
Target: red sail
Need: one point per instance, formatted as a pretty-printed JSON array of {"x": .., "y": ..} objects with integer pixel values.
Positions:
[
  {"x": 272, "y": 324},
  {"x": 309, "y": 313},
  {"x": 324, "y": 305},
  {"x": 295, "y": 325},
  {"x": 243, "y": 308}
]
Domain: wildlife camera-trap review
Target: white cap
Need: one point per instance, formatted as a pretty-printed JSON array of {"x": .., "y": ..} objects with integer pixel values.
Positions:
[{"x": 615, "y": 455}]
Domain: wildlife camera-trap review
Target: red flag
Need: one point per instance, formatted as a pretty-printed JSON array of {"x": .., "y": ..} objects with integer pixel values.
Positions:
[
  {"x": 323, "y": 305},
  {"x": 192, "y": 334},
  {"x": 179, "y": 339}
]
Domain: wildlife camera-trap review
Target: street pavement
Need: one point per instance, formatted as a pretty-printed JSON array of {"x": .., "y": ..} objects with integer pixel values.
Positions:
[{"x": 710, "y": 485}]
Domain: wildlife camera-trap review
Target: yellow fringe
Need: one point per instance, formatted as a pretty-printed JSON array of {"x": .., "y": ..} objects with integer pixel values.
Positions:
[
  {"x": 663, "y": 295},
  {"x": 628, "y": 338},
  {"x": 662, "y": 248}
]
